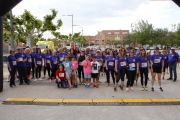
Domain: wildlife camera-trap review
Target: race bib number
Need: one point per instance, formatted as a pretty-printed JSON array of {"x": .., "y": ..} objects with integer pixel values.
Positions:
[
  {"x": 144, "y": 64},
  {"x": 14, "y": 62},
  {"x": 61, "y": 59},
  {"x": 61, "y": 74},
  {"x": 157, "y": 61},
  {"x": 80, "y": 63},
  {"x": 39, "y": 62},
  {"x": 55, "y": 62},
  {"x": 29, "y": 60},
  {"x": 66, "y": 65},
  {"x": 111, "y": 63},
  {"x": 20, "y": 59},
  {"x": 132, "y": 65},
  {"x": 48, "y": 61},
  {"x": 100, "y": 63},
  {"x": 123, "y": 63}
]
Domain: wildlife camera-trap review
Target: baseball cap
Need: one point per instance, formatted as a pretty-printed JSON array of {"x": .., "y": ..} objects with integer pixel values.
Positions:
[
  {"x": 172, "y": 48},
  {"x": 156, "y": 48},
  {"x": 148, "y": 51},
  {"x": 98, "y": 51}
]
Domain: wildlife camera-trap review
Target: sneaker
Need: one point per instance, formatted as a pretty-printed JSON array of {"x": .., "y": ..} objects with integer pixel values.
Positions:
[
  {"x": 174, "y": 80},
  {"x": 70, "y": 87},
  {"x": 40, "y": 79},
  {"x": 115, "y": 89},
  {"x": 127, "y": 89},
  {"x": 85, "y": 86},
  {"x": 132, "y": 88},
  {"x": 75, "y": 86},
  {"x": 35, "y": 80},
  {"x": 7, "y": 80},
  {"x": 80, "y": 83},
  {"x": 89, "y": 86},
  {"x": 121, "y": 87},
  {"x": 58, "y": 86},
  {"x": 163, "y": 78},
  {"x": 107, "y": 85},
  {"x": 169, "y": 79},
  {"x": 114, "y": 84},
  {"x": 161, "y": 89},
  {"x": 94, "y": 85},
  {"x": 142, "y": 88},
  {"x": 152, "y": 89},
  {"x": 50, "y": 80},
  {"x": 97, "y": 86},
  {"x": 17, "y": 79},
  {"x": 146, "y": 89}
]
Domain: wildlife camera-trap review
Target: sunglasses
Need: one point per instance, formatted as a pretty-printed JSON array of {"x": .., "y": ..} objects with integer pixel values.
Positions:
[
  {"x": 18, "y": 49},
  {"x": 132, "y": 52},
  {"x": 83, "y": 51}
]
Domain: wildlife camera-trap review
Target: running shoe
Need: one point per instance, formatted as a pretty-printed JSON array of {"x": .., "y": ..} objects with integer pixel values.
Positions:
[
  {"x": 85, "y": 86},
  {"x": 163, "y": 78},
  {"x": 115, "y": 89},
  {"x": 89, "y": 86},
  {"x": 40, "y": 79},
  {"x": 97, "y": 86},
  {"x": 114, "y": 84},
  {"x": 35, "y": 80},
  {"x": 161, "y": 89},
  {"x": 94, "y": 85},
  {"x": 7, "y": 80},
  {"x": 142, "y": 88},
  {"x": 17, "y": 79},
  {"x": 169, "y": 79},
  {"x": 146, "y": 89},
  {"x": 127, "y": 89},
  {"x": 174, "y": 80},
  {"x": 121, "y": 87},
  {"x": 132, "y": 88},
  {"x": 152, "y": 89},
  {"x": 80, "y": 83},
  {"x": 50, "y": 80},
  {"x": 107, "y": 85},
  {"x": 70, "y": 87}
]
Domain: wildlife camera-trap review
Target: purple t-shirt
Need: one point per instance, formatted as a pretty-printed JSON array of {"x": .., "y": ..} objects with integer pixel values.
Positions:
[
  {"x": 143, "y": 63},
  {"x": 28, "y": 61},
  {"x": 48, "y": 57},
  {"x": 173, "y": 58},
  {"x": 32, "y": 56},
  {"x": 132, "y": 63},
  {"x": 61, "y": 56},
  {"x": 21, "y": 57},
  {"x": 165, "y": 57},
  {"x": 54, "y": 61},
  {"x": 12, "y": 61},
  {"x": 121, "y": 62},
  {"x": 111, "y": 62},
  {"x": 149, "y": 58},
  {"x": 157, "y": 59},
  {"x": 38, "y": 58}
]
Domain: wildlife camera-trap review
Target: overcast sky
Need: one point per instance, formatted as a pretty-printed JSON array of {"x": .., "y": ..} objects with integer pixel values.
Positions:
[{"x": 97, "y": 15}]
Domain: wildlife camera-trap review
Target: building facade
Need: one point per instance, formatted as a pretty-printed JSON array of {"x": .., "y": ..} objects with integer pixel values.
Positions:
[{"x": 101, "y": 38}]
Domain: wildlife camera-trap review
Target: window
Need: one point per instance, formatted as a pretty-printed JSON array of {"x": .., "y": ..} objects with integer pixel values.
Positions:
[
  {"x": 98, "y": 37},
  {"x": 107, "y": 36},
  {"x": 108, "y": 32},
  {"x": 124, "y": 32},
  {"x": 88, "y": 37},
  {"x": 117, "y": 37},
  {"x": 92, "y": 38},
  {"x": 110, "y": 36},
  {"x": 116, "y": 32}
]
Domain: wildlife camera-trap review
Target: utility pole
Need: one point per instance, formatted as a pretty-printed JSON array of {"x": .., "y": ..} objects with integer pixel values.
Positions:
[{"x": 12, "y": 35}]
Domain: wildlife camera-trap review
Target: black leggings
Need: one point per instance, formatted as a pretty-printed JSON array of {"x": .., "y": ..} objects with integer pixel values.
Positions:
[
  {"x": 112, "y": 75},
  {"x": 44, "y": 70},
  {"x": 33, "y": 69},
  {"x": 48, "y": 69},
  {"x": 80, "y": 69},
  {"x": 12, "y": 73},
  {"x": 131, "y": 76},
  {"x": 53, "y": 72},
  {"x": 38, "y": 70},
  {"x": 145, "y": 72},
  {"x": 121, "y": 74}
]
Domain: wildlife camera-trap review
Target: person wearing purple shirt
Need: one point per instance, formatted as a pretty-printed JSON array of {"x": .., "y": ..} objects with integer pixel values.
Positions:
[
  {"x": 61, "y": 55},
  {"x": 165, "y": 57},
  {"x": 38, "y": 60},
  {"x": 143, "y": 67},
  {"x": 149, "y": 58},
  {"x": 33, "y": 65},
  {"x": 120, "y": 67},
  {"x": 21, "y": 66},
  {"x": 53, "y": 65},
  {"x": 173, "y": 60},
  {"x": 47, "y": 61},
  {"x": 12, "y": 66},
  {"x": 157, "y": 66},
  {"x": 100, "y": 60},
  {"x": 110, "y": 66},
  {"x": 28, "y": 62},
  {"x": 132, "y": 63}
]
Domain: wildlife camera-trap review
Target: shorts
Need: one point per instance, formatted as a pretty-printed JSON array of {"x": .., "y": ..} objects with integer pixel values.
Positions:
[
  {"x": 74, "y": 72},
  {"x": 94, "y": 75},
  {"x": 157, "y": 69},
  {"x": 87, "y": 75},
  {"x": 164, "y": 69},
  {"x": 68, "y": 73},
  {"x": 101, "y": 68}
]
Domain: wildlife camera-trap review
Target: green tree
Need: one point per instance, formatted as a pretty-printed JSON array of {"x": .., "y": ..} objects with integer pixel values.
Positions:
[
  {"x": 109, "y": 42},
  {"x": 127, "y": 39},
  {"x": 29, "y": 26}
]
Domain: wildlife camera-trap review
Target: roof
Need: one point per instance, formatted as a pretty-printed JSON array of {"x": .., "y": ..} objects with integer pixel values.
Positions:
[{"x": 7, "y": 5}]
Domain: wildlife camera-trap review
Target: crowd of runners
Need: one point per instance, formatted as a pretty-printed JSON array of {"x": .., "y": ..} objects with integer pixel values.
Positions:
[{"x": 66, "y": 66}]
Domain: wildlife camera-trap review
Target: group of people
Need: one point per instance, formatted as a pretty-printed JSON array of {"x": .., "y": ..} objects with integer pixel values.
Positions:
[{"x": 65, "y": 66}]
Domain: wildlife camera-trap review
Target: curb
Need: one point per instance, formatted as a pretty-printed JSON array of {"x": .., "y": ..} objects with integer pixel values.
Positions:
[{"x": 91, "y": 102}]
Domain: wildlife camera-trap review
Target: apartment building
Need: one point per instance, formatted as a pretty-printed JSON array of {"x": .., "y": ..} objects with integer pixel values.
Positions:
[{"x": 101, "y": 38}]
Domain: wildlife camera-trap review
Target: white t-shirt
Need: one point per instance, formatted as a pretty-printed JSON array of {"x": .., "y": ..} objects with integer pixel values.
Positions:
[{"x": 95, "y": 67}]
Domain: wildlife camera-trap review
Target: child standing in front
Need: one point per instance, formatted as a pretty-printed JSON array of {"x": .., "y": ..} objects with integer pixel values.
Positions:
[
  {"x": 95, "y": 67},
  {"x": 87, "y": 71},
  {"x": 60, "y": 77},
  {"x": 68, "y": 70},
  {"x": 74, "y": 71}
]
